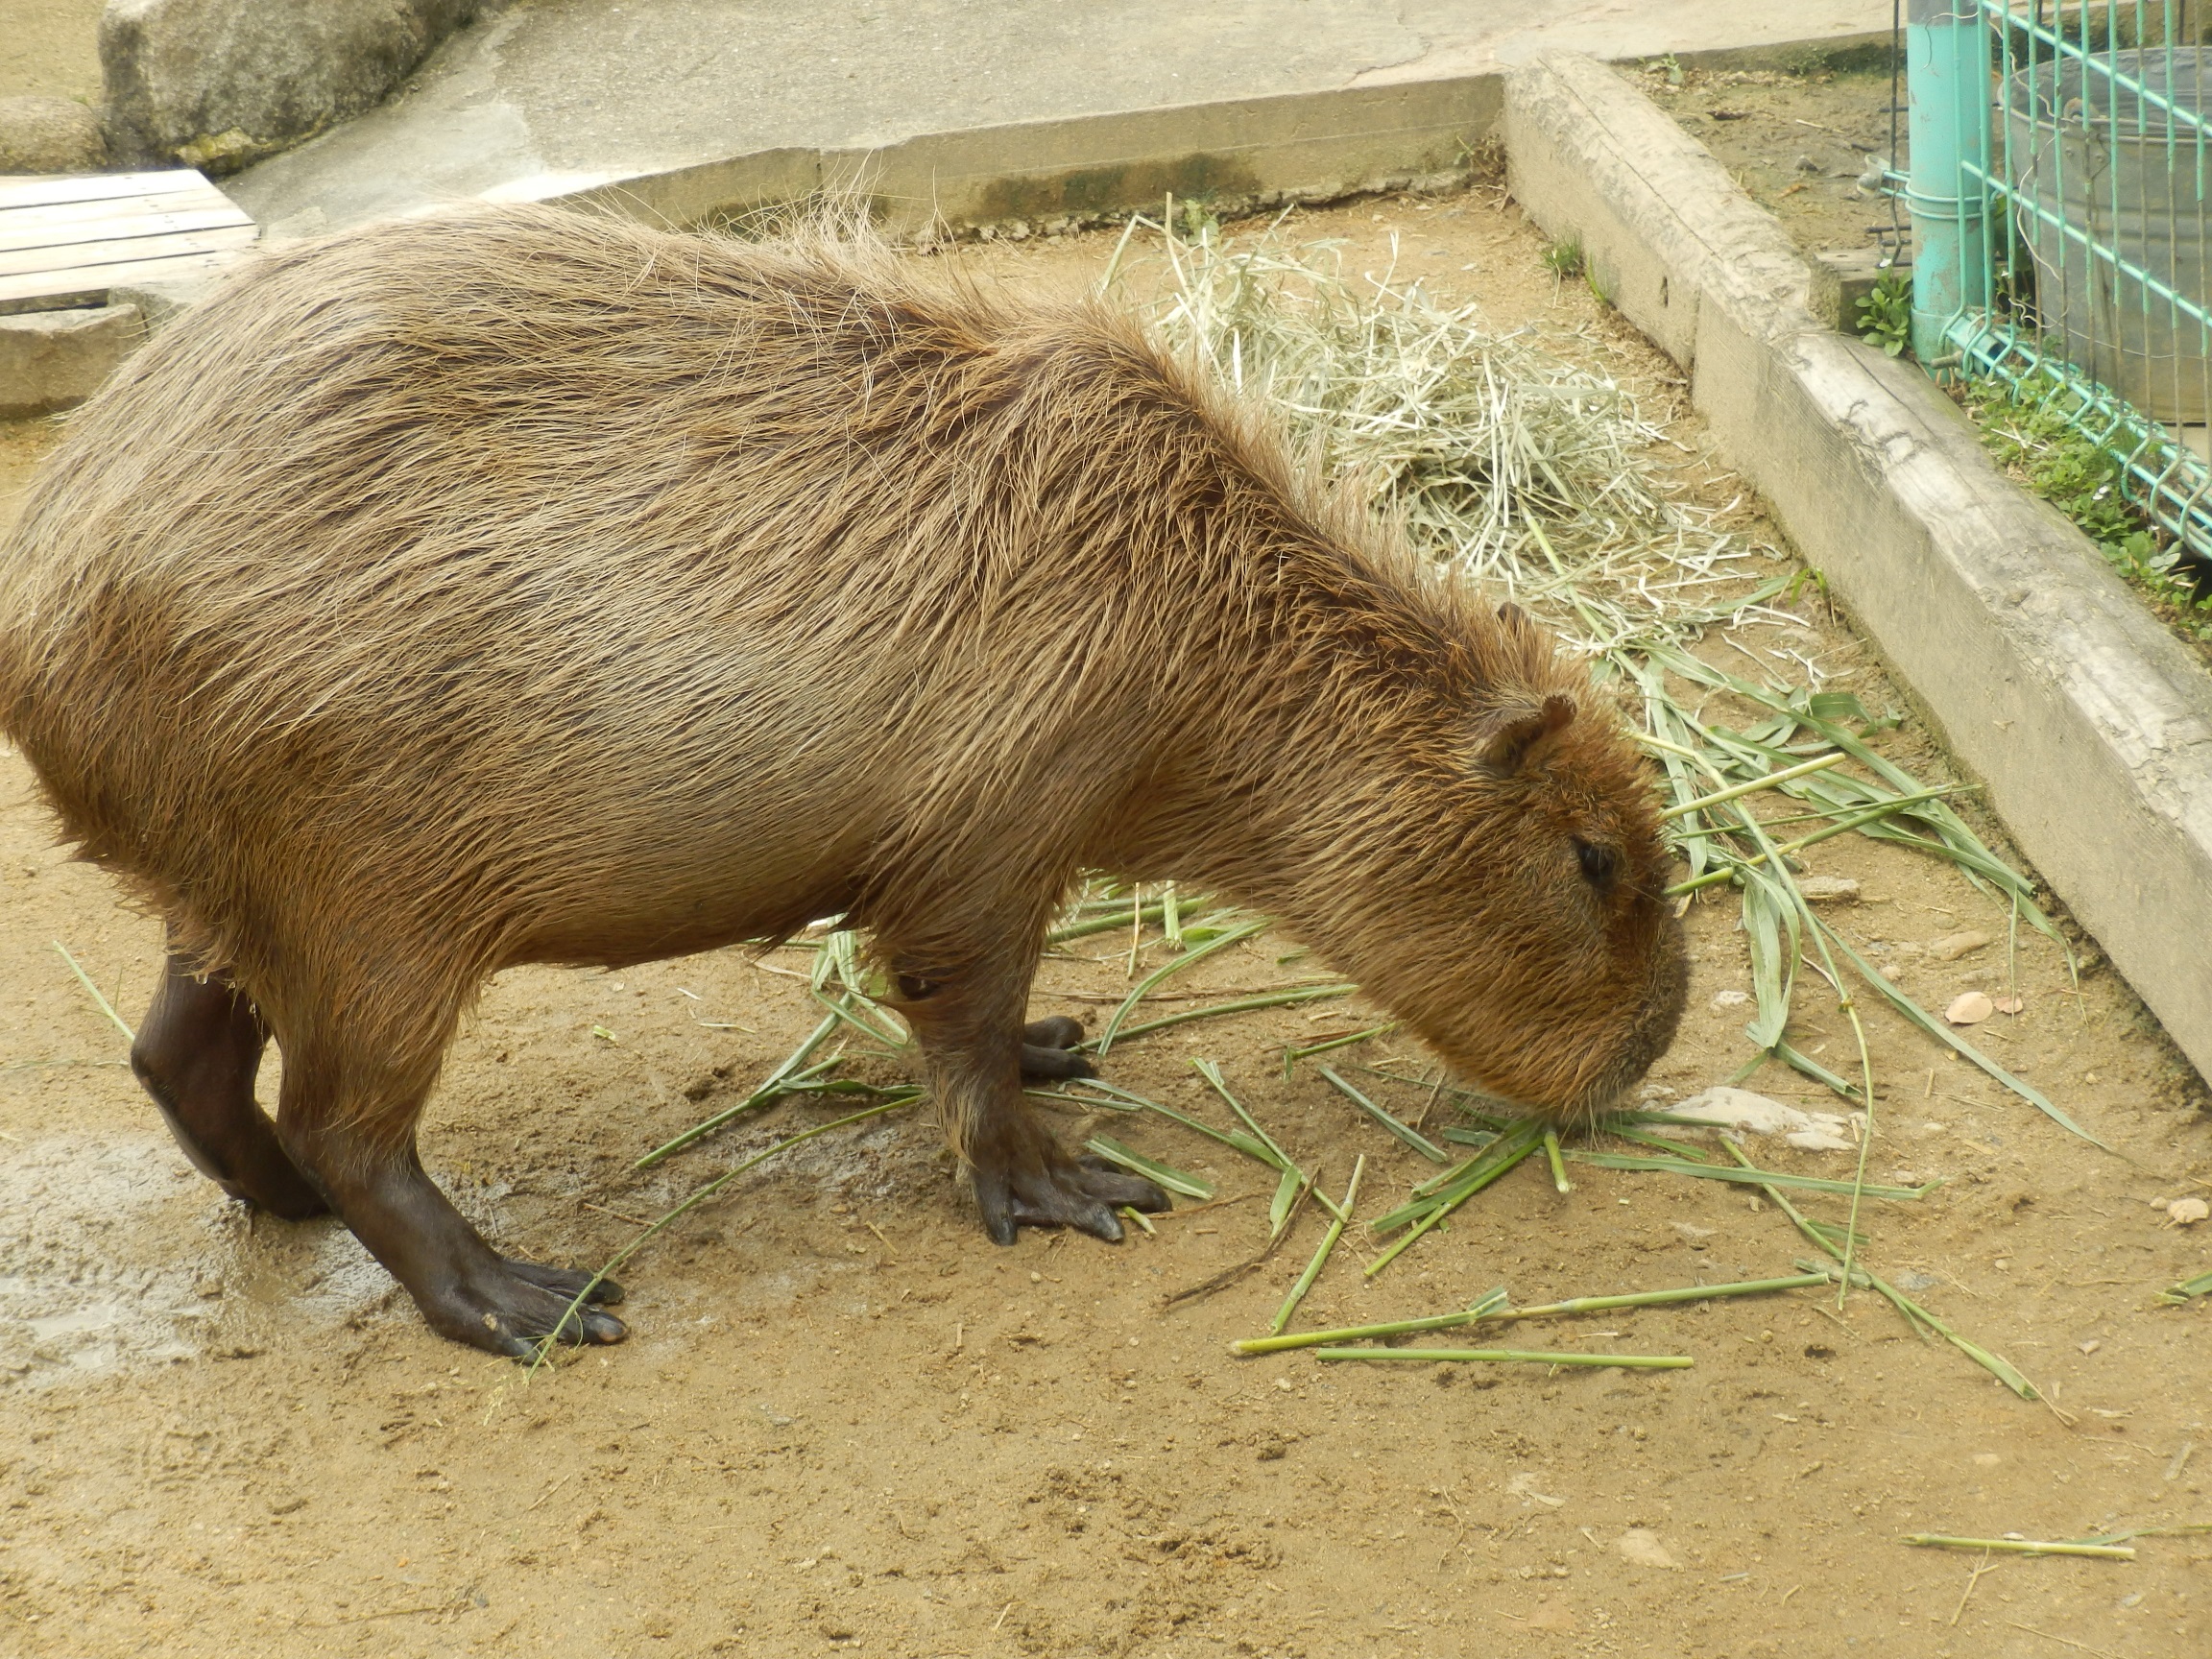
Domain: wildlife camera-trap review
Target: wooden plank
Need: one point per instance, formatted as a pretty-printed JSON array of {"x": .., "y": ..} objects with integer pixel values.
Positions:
[
  {"x": 63, "y": 263},
  {"x": 15, "y": 238},
  {"x": 38, "y": 190},
  {"x": 42, "y": 290},
  {"x": 210, "y": 200}
]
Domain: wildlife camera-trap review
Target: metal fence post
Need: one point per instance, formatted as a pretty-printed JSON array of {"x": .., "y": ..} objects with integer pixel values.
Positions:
[{"x": 1947, "y": 80}]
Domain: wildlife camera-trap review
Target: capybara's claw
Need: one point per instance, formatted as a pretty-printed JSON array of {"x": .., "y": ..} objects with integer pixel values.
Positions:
[
  {"x": 513, "y": 1311},
  {"x": 1049, "y": 1052},
  {"x": 1044, "y": 1065},
  {"x": 1082, "y": 1193},
  {"x": 566, "y": 1281}
]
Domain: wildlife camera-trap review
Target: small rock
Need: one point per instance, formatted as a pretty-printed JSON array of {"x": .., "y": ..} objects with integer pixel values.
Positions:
[
  {"x": 1890, "y": 972},
  {"x": 1804, "y": 164},
  {"x": 2010, "y": 1004},
  {"x": 1641, "y": 1545},
  {"x": 2188, "y": 1212},
  {"x": 1953, "y": 946},
  {"x": 1828, "y": 889},
  {"x": 2091, "y": 1346},
  {"x": 45, "y": 135},
  {"x": 1730, "y": 998},
  {"x": 1970, "y": 1008},
  {"x": 1747, "y": 1113}
]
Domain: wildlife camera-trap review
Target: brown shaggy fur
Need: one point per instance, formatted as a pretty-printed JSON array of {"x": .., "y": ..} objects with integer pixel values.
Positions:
[{"x": 523, "y": 586}]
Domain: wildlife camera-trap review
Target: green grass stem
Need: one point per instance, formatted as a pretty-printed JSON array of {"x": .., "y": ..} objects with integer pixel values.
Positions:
[
  {"x": 1216, "y": 1010},
  {"x": 1405, "y": 1132},
  {"x": 1509, "y": 1357},
  {"x": 2019, "y": 1545},
  {"x": 86, "y": 979},
  {"x": 1321, "y": 1253}
]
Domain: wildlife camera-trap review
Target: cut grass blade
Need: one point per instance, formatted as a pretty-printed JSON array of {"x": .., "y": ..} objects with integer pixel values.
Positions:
[
  {"x": 1323, "y": 1251},
  {"x": 1151, "y": 1169},
  {"x": 1950, "y": 1038},
  {"x": 1560, "y": 1181},
  {"x": 1176, "y": 965},
  {"x": 1405, "y": 1132},
  {"x": 93, "y": 991},
  {"x": 1292, "y": 1056},
  {"x": 2017, "y": 1546},
  {"x": 1747, "y": 1176},
  {"x": 1215, "y": 1011},
  {"x": 1495, "y": 1307},
  {"x": 1917, "y": 1318},
  {"x": 2175, "y": 1295},
  {"x": 1487, "y": 1166},
  {"x": 1509, "y": 1357},
  {"x": 1736, "y": 791},
  {"x": 793, "y": 1068}
]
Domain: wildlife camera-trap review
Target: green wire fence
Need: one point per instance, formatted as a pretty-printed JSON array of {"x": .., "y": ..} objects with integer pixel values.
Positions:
[{"x": 2057, "y": 185}]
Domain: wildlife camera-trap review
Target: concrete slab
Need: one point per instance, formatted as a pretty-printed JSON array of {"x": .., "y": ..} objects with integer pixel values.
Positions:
[
  {"x": 680, "y": 99},
  {"x": 2090, "y": 725}
]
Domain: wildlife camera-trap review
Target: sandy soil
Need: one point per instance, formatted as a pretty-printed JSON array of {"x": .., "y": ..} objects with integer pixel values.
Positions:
[
  {"x": 845, "y": 1421},
  {"x": 53, "y": 49}
]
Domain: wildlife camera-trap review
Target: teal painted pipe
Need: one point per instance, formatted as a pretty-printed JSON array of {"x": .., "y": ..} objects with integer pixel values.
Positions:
[{"x": 1947, "y": 80}]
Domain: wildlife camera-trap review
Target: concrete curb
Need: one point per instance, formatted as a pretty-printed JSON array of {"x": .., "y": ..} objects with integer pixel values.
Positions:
[
  {"x": 1235, "y": 156},
  {"x": 2090, "y": 725}
]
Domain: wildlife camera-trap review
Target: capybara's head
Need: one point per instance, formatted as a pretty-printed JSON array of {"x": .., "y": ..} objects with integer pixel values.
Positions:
[{"x": 1519, "y": 922}]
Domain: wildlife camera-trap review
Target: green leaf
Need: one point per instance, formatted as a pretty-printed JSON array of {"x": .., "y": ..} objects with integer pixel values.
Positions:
[{"x": 1151, "y": 1169}]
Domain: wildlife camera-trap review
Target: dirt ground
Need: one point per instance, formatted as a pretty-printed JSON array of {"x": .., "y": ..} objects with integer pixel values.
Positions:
[
  {"x": 53, "y": 49},
  {"x": 1797, "y": 143},
  {"x": 844, "y": 1422}
]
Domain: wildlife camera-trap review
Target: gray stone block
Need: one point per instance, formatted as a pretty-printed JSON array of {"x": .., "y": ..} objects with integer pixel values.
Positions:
[
  {"x": 52, "y": 360},
  {"x": 217, "y": 83},
  {"x": 41, "y": 134},
  {"x": 161, "y": 304}
]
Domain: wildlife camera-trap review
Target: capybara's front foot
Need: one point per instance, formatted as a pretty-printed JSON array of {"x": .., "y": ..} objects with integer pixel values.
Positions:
[
  {"x": 1024, "y": 1178},
  {"x": 509, "y": 1306},
  {"x": 1049, "y": 1052}
]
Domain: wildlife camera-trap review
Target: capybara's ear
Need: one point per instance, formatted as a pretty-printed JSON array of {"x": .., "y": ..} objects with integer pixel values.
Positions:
[
  {"x": 1515, "y": 618},
  {"x": 1519, "y": 734}
]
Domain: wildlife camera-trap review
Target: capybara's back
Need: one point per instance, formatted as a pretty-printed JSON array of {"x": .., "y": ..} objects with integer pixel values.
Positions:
[{"x": 523, "y": 586}]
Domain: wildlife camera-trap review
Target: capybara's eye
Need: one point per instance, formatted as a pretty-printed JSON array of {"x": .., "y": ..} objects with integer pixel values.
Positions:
[{"x": 1600, "y": 864}]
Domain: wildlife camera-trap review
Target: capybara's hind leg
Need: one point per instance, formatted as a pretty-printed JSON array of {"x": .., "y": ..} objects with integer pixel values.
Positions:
[
  {"x": 352, "y": 1124},
  {"x": 971, "y": 1032},
  {"x": 1049, "y": 1052},
  {"x": 197, "y": 1052}
]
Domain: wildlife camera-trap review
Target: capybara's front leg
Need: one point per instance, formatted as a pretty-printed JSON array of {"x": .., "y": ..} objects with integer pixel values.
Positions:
[
  {"x": 971, "y": 1033},
  {"x": 355, "y": 1137}
]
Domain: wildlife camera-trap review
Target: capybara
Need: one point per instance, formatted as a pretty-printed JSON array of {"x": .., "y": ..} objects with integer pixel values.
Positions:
[{"x": 522, "y": 585}]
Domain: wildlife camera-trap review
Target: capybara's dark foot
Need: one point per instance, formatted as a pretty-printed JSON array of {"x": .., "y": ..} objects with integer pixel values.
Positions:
[
  {"x": 509, "y": 1306},
  {"x": 1049, "y": 1052},
  {"x": 1035, "y": 1184},
  {"x": 568, "y": 1281},
  {"x": 466, "y": 1291}
]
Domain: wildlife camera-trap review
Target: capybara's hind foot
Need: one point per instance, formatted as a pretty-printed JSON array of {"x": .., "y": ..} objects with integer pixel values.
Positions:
[
  {"x": 1049, "y": 1052},
  {"x": 1026, "y": 1180},
  {"x": 512, "y": 1307}
]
